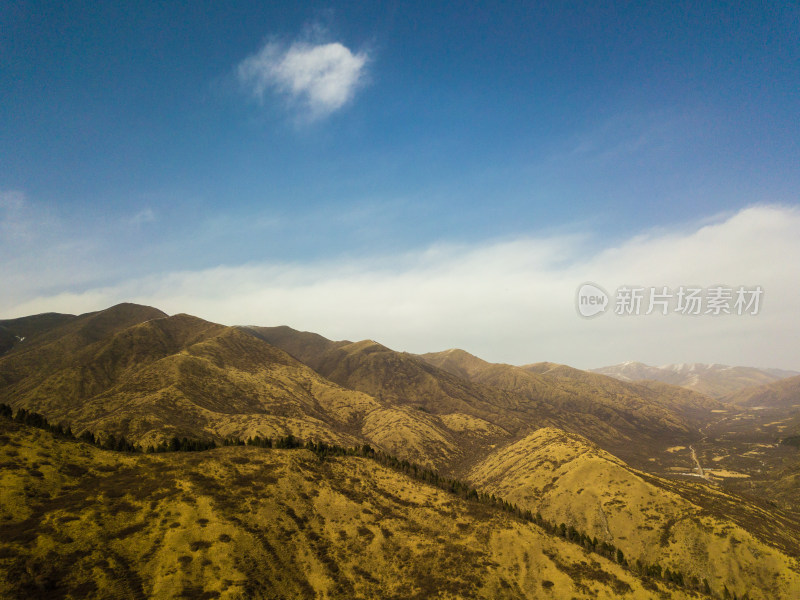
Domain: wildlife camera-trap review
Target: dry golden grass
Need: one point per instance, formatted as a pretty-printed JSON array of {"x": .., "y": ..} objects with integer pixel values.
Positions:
[
  {"x": 569, "y": 480},
  {"x": 241, "y": 522}
]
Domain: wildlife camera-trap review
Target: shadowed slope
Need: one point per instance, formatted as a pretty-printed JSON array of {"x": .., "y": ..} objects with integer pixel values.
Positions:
[
  {"x": 66, "y": 333},
  {"x": 173, "y": 376},
  {"x": 405, "y": 379},
  {"x": 15, "y": 331},
  {"x": 305, "y": 346}
]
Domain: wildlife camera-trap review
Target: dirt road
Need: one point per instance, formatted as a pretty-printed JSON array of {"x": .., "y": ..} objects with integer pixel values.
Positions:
[{"x": 697, "y": 462}]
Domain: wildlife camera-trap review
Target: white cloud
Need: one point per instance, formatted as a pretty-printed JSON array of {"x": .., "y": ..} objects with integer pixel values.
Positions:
[
  {"x": 512, "y": 300},
  {"x": 321, "y": 77}
]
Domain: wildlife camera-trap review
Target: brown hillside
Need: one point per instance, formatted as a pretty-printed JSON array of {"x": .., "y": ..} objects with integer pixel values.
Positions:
[
  {"x": 182, "y": 376},
  {"x": 626, "y": 419}
]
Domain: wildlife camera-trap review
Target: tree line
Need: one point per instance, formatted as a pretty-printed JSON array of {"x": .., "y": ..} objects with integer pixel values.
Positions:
[{"x": 454, "y": 486}]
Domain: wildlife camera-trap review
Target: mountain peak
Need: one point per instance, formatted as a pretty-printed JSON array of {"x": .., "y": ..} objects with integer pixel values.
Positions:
[{"x": 456, "y": 361}]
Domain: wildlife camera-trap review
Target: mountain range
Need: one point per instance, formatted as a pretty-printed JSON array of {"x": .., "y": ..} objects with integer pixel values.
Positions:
[{"x": 665, "y": 472}]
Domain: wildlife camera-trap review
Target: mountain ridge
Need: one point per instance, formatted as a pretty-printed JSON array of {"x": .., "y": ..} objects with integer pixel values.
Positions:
[{"x": 614, "y": 459}]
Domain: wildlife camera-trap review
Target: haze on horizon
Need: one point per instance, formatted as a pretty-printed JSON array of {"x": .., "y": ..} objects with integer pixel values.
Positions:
[{"x": 429, "y": 178}]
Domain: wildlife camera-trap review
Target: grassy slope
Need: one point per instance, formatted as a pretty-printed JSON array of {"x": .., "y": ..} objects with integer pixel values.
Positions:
[
  {"x": 470, "y": 417},
  {"x": 176, "y": 375},
  {"x": 78, "y": 522},
  {"x": 400, "y": 377},
  {"x": 655, "y": 406},
  {"x": 570, "y": 480}
]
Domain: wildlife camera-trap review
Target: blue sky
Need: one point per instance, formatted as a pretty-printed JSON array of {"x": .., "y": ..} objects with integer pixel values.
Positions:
[{"x": 139, "y": 142}]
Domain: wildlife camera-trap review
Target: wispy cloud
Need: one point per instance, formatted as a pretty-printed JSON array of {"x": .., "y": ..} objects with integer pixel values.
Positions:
[
  {"x": 14, "y": 224},
  {"x": 321, "y": 78},
  {"x": 509, "y": 300},
  {"x": 146, "y": 215}
]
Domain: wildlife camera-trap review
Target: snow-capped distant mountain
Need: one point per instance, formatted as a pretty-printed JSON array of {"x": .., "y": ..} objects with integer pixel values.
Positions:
[{"x": 714, "y": 380}]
